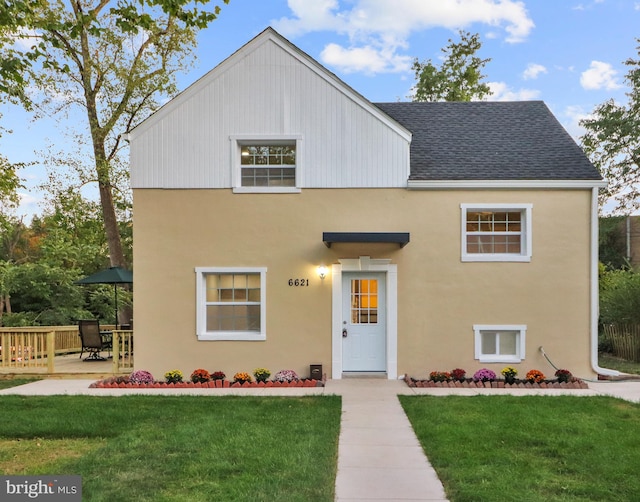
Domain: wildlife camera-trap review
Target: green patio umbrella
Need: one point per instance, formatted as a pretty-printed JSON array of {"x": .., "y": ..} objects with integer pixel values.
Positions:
[{"x": 111, "y": 275}]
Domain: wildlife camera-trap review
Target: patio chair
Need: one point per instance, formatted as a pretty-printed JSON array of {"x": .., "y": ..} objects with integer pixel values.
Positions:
[{"x": 93, "y": 340}]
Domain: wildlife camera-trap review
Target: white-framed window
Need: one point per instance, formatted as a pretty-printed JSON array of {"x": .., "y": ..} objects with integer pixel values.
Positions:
[
  {"x": 266, "y": 163},
  {"x": 231, "y": 303},
  {"x": 496, "y": 232},
  {"x": 499, "y": 343}
]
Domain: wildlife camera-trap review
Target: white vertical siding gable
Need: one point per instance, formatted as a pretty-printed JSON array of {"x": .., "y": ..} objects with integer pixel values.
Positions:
[{"x": 270, "y": 88}]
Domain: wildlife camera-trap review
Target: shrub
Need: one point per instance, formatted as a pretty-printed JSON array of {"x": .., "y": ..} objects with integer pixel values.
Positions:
[
  {"x": 218, "y": 375},
  {"x": 242, "y": 377},
  {"x": 141, "y": 376},
  {"x": 563, "y": 376},
  {"x": 458, "y": 374},
  {"x": 200, "y": 376},
  {"x": 440, "y": 376},
  {"x": 535, "y": 376},
  {"x": 484, "y": 375},
  {"x": 286, "y": 376},
  {"x": 620, "y": 297},
  {"x": 261, "y": 374},
  {"x": 173, "y": 376}
]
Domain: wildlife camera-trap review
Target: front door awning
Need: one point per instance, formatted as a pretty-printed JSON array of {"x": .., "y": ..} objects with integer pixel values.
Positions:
[{"x": 400, "y": 238}]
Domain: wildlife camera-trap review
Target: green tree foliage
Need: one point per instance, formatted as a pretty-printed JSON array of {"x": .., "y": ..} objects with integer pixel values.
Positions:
[
  {"x": 45, "y": 295},
  {"x": 619, "y": 296},
  {"x": 612, "y": 142},
  {"x": 10, "y": 182},
  {"x": 459, "y": 77},
  {"x": 612, "y": 243},
  {"x": 40, "y": 262},
  {"x": 111, "y": 60},
  {"x": 15, "y": 249}
]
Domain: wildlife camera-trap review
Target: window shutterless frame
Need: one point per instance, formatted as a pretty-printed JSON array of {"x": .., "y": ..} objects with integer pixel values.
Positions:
[
  {"x": 259, "y": 167},
  {"x": 231, "y": 303},
  {"x": 496, "y": 232},
  {"x": 500, "y": 343}
]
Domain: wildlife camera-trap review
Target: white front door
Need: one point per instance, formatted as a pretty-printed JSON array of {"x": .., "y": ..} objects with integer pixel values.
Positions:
[{"x": 364, "y": 322}]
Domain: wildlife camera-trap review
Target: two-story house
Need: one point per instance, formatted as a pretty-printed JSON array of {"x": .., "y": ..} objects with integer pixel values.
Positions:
[{"x": 281, "y": 220}]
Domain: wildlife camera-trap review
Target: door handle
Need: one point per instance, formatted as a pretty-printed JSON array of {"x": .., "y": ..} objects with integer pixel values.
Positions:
[{"x": 344, "y": 333}]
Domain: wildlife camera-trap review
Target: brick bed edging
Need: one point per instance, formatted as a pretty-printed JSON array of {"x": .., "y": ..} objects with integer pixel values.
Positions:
[
  {"x": 497, "y": 384},
  {"x": 217, "y": 384}
]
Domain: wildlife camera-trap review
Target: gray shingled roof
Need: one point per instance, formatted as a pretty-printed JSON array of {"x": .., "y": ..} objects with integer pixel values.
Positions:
[{"x": 489, "y": 141}]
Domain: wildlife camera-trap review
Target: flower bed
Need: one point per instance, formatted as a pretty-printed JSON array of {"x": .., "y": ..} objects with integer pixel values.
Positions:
[
  {"x": 203, "y": 379},
  {"x": 123, "y": 383},
  {"x": 470, "y": 383}
]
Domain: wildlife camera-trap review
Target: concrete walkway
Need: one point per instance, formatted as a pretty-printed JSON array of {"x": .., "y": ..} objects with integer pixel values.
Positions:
[{"x": 379, "y": 456}]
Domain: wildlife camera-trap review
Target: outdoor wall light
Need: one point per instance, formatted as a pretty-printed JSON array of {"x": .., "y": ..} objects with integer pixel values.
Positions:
[{"x": 322, "y": 271}]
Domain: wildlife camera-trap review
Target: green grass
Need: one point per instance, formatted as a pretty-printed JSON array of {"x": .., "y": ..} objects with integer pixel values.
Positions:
[
  {"x": 615, "y": 363},
  {"x": 159, "y": 448},
  {"x": 6, "y": 383},
  {"x": 532, "y": 448}
]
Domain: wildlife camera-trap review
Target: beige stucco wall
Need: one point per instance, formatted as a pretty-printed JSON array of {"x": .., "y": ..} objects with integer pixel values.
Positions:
[{"x": 439, "y": 297}]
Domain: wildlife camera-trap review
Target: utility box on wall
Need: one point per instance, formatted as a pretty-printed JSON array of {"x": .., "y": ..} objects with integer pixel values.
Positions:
[{"x": 315, "y": 371}]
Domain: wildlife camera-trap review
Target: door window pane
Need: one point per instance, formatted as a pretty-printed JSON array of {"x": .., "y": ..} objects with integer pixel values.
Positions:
[{"x": 364, "y": 301}]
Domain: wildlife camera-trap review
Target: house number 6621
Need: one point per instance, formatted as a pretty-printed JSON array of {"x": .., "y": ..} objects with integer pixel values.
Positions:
[{"x": 298, "y": 282}]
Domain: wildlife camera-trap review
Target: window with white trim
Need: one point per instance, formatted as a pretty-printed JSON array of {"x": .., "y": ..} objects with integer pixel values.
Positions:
[
  {"x": 499, "y": 343},
  {"x": 496, "y": 232},
  {"x": 266, "y": 163},
  {"x": 231, "y": 303}
]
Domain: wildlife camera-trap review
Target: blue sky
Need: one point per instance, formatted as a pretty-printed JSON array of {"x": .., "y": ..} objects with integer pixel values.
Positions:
[{"x": 568, "y": 53}]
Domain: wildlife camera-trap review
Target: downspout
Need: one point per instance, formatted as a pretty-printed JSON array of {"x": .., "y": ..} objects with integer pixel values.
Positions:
[{"x": 595, "y": 291}]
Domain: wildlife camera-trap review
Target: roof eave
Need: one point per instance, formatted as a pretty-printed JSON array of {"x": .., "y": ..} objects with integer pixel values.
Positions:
[{"x": 505, "y": 184}]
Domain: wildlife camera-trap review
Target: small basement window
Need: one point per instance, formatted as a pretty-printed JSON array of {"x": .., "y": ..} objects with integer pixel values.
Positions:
[{"x": 499, "y": 343}]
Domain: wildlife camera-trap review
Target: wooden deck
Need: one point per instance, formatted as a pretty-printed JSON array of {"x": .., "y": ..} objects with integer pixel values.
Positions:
[
  {"x": 54, "y": 351},
  {"x": 66, "y": 366}
]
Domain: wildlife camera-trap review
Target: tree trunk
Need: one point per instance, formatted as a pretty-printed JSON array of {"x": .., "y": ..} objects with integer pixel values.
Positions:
[{"x": 114, "y": 242}]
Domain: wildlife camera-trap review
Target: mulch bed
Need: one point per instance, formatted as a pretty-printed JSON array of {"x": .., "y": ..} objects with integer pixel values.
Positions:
[{"x": 496, "y": 384}]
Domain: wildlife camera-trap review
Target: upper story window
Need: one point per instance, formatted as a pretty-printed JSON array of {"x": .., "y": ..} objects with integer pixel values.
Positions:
[
  {"x": 266, "y": 163},
  {"x": 496, "y": 232}
]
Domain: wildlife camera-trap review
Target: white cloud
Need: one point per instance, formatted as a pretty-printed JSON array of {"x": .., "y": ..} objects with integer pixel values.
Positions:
[
  {"x": 379, "y": 29},
  {"x": 502, "y": 92},
  {"x": 24, "y": 39},
  {"x": 533, "y": 71},
  {"x": 571, "y": 117},
  {"x": 364, "y": 59},
  {"x": 28, "y": 206},
  {"x": 317, "y": 15},
  {"x": 599, "y": 76}
]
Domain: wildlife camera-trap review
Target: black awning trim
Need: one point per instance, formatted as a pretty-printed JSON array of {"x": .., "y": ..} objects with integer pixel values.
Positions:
[{"x": 400, "y": 238}]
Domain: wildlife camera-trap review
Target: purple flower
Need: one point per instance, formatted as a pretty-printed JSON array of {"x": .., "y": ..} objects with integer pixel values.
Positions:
[
  {"x": 484, "y": 374},
  {"x": 286, "y": 376},
  {"x": 141, "y": 376}
]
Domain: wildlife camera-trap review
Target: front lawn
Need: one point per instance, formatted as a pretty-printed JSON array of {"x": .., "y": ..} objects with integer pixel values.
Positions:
[
  {"x": 6, "y": 383},
  {"x": 530, "y": 448},
  {"x": 166, "y": 448}
]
